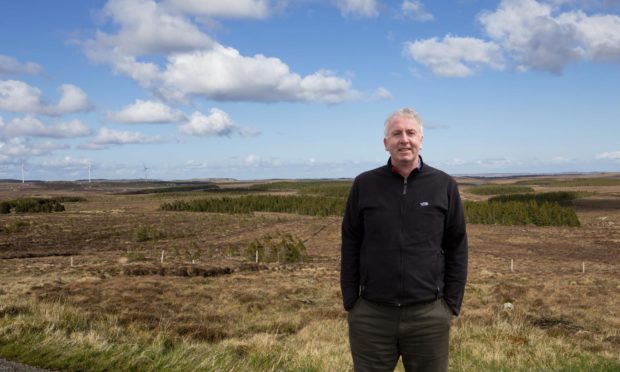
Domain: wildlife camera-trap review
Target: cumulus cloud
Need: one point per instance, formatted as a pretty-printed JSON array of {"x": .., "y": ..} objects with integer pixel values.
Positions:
[
  {"x": 224, "y": 74},
  {"x": 455, "y": 56},
  {"x": 24, "y": 147},
  {"x": 415, "y": 9},
  {"x": 106, "y": 137},
  {"x": 17, "y": 96},
  {"x": 32, "y": 126},
  {"x": 11, "y": 66},
  {"x": 228, "y": 9},
  {"x": 613, "y": 155},
  {"x": 73, "y": 99},
  {"x": 151, "y": 112},
  {"x": 147, "y": 28},
  {"x": 538, "y": 37},
  {"x": 195, "y": 65},
  {"x": 218, "y": 123},
  {"x": 527, "y": 35},
  {"x": 364, "y": 8}
]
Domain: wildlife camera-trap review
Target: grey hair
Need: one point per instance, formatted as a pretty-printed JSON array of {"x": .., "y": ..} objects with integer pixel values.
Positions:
[{"x": 406, "y": 112}]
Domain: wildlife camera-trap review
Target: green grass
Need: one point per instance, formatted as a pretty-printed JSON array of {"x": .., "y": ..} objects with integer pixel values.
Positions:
[{"x": 56, "y": 336}]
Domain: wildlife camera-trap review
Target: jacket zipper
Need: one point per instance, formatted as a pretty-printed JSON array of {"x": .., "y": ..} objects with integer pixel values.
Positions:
[{"x": 403, "y": 212}]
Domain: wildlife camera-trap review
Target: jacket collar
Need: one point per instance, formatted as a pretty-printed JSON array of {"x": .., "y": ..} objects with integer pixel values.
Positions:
[{"x": 392, "y": 168}]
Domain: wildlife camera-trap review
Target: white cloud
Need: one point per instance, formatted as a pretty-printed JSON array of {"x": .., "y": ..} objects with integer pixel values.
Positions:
[
  {"x": 31, "y": 126},
  {"x": 11, "y": 66},
  {"x": 146, "y": 112},
  {"x": 218, "y": 123},
  {"x": 73, "y": 99},
  {"x": 17, "y": 96},
  {"x": 252, "y": 160},
  {"x": 613, "y": 155},
  {"x": 415, "y": 9},
  {"x": 455, "y": 56},
  {"x": 16, "y": 147},
  {"x": 147, "y": 28},
  {"x": 225, "y": 9},
  {"x": 66, "y": 163},
  {"x": 538, "y": 38},
  {"x": 382, "y": 93},
  {"x": 199, "y": 67},
  {"x": 108, "y": 136},
  {"x": 224, "y": 74},
  {"x": 364, "y": 8}
]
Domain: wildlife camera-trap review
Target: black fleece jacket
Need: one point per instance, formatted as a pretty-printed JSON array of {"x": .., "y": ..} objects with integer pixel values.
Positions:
[{"x": 404, "y": 240}]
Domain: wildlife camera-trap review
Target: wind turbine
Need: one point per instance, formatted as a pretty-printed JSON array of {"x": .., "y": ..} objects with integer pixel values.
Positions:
[
  {"x": 23, "y": 179},
  {"x": 145, "y": 172},
  {"x": 88, "y": 171}
]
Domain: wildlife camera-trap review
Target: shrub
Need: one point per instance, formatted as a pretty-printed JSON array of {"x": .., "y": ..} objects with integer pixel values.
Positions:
[
  {"x": 560, "y": 197},
  {"x": 5, "y": 207},
  {"x": 32, "y": 205},
  {"x": 277, "y": 248},
  {"x": 146, "y": 233},
  {"x": 520, "y": 213},
  {"x": 498, "y": 189},
  {"x": 308, "y": 205}
]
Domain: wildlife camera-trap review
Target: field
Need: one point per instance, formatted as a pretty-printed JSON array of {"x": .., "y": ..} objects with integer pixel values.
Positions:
[{"x": 116, "y": 283}]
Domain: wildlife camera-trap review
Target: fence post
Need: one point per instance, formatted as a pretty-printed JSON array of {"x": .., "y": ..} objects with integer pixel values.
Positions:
[
  {"x": 162, "y": 256},
  {"x": 256, "y": 256},
  {"x": 512, "y": 265},
  {"x": 583, "y": 267}
]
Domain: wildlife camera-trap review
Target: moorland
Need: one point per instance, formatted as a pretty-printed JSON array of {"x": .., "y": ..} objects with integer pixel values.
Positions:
[{"x": 243, "y": 276}]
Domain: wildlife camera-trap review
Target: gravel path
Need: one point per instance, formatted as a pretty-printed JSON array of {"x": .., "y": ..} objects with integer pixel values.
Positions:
[{"x": 8, "y": 366}]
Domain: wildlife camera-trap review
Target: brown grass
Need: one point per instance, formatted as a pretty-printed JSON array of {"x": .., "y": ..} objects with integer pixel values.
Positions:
[{"x": 222, "y": 312}]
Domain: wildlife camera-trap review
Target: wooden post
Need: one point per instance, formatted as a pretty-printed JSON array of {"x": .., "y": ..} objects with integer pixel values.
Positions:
[
  {"x": 583, "y": 267},
  {"x": 512, "y": 265},
  {"x": 71, "y": 261},
  {"x": 162, "y": 256},
  {"x": 257, "y": 256}
]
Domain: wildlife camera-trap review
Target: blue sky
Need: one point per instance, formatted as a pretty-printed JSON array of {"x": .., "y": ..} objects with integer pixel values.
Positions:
[{"x": 254, "y": 89}]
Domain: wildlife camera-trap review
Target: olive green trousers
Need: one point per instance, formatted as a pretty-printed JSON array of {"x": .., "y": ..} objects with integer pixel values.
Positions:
[{"x": 379, "y": 334}]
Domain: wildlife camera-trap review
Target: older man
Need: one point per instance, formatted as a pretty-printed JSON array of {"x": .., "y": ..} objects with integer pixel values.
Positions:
[{"x": 404, "y": 257}]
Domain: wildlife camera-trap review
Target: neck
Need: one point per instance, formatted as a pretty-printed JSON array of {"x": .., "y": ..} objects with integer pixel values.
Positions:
[{"x": 405, "y": 169}]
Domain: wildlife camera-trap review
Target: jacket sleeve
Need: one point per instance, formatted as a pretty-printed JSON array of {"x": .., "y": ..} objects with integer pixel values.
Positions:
[
  {"x": 352, "y": 235},
  {"x": 455, "y": 249}
]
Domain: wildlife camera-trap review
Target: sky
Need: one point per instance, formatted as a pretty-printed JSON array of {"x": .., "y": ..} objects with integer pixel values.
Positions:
[{"x": 259, "y": 89}]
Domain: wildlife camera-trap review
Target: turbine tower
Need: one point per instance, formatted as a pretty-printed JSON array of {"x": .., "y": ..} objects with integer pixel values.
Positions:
[
  {"x": 145, "y": 172},
  {"x": 89, "y": 172},
  {"x": 23, "y": 179}
]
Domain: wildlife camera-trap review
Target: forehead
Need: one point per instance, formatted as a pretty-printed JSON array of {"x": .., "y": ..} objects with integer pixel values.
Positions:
[{"x": 399, "y": 122}]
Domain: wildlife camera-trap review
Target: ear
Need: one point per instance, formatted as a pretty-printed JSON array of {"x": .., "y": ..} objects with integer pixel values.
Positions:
[{"x": 385, "y": 143}]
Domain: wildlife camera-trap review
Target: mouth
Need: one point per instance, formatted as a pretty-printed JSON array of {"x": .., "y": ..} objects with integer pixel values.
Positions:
[{"x": 404, "y": 149}]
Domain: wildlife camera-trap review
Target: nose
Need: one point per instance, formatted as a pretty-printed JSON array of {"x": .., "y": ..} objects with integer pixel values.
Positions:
[{"x": 403, "y": 138}]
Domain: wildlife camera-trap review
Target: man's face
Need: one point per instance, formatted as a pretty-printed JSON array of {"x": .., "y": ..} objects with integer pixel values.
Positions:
[{"x": 404, "y": 139}]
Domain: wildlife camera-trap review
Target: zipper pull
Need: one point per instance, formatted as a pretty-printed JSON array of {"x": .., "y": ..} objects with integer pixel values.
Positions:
[{"x": 405, "y": 187}]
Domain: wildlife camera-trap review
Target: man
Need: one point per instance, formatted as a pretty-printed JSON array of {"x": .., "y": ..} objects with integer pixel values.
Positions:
[{"x": 404, "y": 257}]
